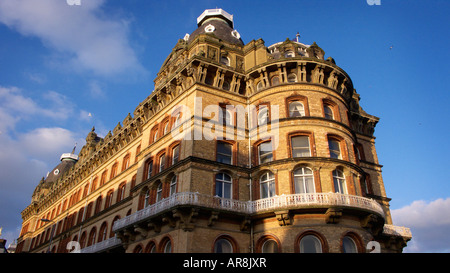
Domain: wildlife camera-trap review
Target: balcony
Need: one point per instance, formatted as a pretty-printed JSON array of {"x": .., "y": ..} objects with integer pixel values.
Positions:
[
  {"x": 102, "y": 246},
  {"x": 282, "y": 202},
  {"x": 397, "y": 231}
]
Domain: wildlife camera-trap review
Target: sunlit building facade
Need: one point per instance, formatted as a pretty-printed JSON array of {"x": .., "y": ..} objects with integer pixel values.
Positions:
[{"x": 239, "y": 148}]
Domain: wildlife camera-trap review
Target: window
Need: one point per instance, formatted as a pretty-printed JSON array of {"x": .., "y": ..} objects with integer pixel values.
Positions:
[
  {"x": 173, "y": 185},
  {"x": 334, "y": 147},
  {"x": 162, "y": 162},
  {"x": 121, "y": 192},
  {"x": 267, "y": 185},
  {"x": 167, "y": 247},
  {"x": 289, "y": 54},
  {"x": 147, "y": 198},
  {"x": 175, "y": 154},
  {"x": 209, "y": 28},
  {"x": 300, "y": 146},
  {"x": 349, "y": 245},
  {"x": 304, "y": 180},
  {"x": 226, "y": 85},
  {"x": 270, "y": 246},
  {"x": 149, "y": 168},
  {"x": 275, "y": 80},
  {"x": 92, "y": 236},
  {"x": 109, "y": 197},
  {"x": 223, "y": 246},
  {"x": 259, "y": 86},
  {"x": 166, "y": 127},
  {"x": 103, "y": 178},
  {"x": 265, "y": 152},
  {"x": 102, "y": 232},
  {"x": 225, "y": 116},
  {"x": 263, "y": 115},
  {"x": 159, "y": 192},
  {"x": 292, "y": 78},
  {"x": 177, "y": 120},
  {"x": 296, "y": 109},
  {"x": 310, "y": 244},
  {"x": 224, "y": 60},
  {"x": 224, "y": 153},
  {"x": 223, "y": 185},
  {"x": 339, "y": 181},
  {"x": 328, "y": 112},
  {"x": 113, "y": 170},
  {"x": 126, "y": 162}
]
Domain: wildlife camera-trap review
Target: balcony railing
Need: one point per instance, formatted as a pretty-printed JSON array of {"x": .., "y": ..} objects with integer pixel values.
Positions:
[
  {"x": 291, "y": 201},
  {"x": 397, "y": 231},
  {"x": 102, "y": 246}
]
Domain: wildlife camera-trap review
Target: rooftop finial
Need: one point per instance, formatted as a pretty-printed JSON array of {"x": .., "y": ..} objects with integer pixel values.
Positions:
[{"x": 73, "y": 151}]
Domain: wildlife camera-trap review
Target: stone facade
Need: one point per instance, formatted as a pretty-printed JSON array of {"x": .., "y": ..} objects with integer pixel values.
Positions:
[{"x": 191, "y": 171}]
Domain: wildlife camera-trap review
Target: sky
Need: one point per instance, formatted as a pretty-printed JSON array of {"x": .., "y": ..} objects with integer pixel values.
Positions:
[{"x": 67, "y": 68}]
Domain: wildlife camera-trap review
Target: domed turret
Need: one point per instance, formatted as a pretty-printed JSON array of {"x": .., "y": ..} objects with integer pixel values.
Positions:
[{"x": 219, "y": 23}]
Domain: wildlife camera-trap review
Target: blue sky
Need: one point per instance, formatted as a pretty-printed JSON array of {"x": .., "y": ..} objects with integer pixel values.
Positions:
[{"x": 65, "y": 69}]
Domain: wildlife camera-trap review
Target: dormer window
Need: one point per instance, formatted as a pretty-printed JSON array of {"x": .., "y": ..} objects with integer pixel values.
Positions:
[
  {"x": 289, "y": 54},
  {"x": 236, "y": 34},
  {"x": 209, "y": 28},
  {"x": 225, "y": 60}
]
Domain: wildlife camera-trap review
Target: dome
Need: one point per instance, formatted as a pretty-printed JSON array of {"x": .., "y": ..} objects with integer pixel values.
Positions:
[
  {"x": 67, "y": 162},
  {"x": 219, "y": 23}
]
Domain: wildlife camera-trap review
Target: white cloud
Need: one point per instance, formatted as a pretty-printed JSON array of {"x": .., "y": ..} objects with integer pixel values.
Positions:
[
  {"x": 89, "y": 39},
  {"x": 15, "y": 106},
  {"x": 429, "y": 223}
]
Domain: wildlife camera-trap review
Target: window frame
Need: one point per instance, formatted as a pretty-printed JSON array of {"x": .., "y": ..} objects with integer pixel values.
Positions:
[
  {"x": 232, "y": 145},
  {"x": 223, "y": 182},
  {"x": 303, "y": 181},
  {"x": 301, "y": 99},
  {"x": 271, "y": 185}
]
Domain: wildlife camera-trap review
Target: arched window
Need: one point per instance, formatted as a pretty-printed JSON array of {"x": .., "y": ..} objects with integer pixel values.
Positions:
[
  {"x": 223, "y": 185},
  {"x": 168, "y": 247},
  {"x": 126, "y": 162},
  {"x": 173, "y": 185},
  {"x": 223, "y": 246},
  {"x": 292, "y": 78},
  {"x": 267, "y": 185},
  {"x": 121, "y": 192},
  {"x": 275, "y": 80},
  {"x": 137, "y": 249},
  {"x": 92, "y": 236},
  {"x": 328, "y": 112},
  {"x": 269, "y": 246},
  {"x": 310, "y": 244},
  {"x": 263, "y": 115},
  {"x": 224, "y": 60},
  {"x": 159, "y": 192},
  {"x": 304, "y": 180},
  {"x": 147, "y": 198},
  {"x": 289, "y": 54},
  {"x": 339, "y": 181},
  {"x": 259, "y": 86},
  {"x": 296, "y": 109},
  {"x": 103, "y": 232},
  {"x": 151, "y": 247},
  {"x": 109, "y": 198},
  {"x": 349, "y": 245},
  {"x": 175, "y": 154}
]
